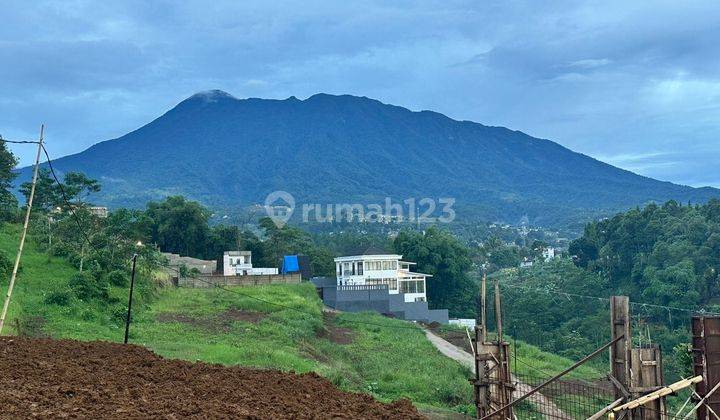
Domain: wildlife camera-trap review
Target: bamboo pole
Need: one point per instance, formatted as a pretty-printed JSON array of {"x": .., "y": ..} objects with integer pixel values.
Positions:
[
  {"x": 6, "y": 305},
  {"x": 667, "y": 390},
  {"x": 702, "y": 401},
  {"x": 605, "y": 410}
]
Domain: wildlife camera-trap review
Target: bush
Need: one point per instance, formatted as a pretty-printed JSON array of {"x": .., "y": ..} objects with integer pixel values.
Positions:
[
  {"x": 5, "y": 264},
  {"x": 58, "y": 297},
  {"x": 118, "y": 278},
  {"x": 85, "y": 286},
  {"x": 30, "y": 326},
  {"x": 118, "y": 315}
]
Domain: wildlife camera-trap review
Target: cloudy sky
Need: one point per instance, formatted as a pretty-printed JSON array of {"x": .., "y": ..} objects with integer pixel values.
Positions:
[{"x": 636, "y": 84}]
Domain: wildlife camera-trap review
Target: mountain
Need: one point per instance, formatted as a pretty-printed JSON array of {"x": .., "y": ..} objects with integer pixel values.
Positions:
[{"x": 230, "y": 153}]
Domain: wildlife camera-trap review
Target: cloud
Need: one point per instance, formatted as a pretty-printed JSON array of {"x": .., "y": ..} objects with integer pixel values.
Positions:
[
  {"x": 590, "y": 63},
  {"x": 608, "y": 79}
]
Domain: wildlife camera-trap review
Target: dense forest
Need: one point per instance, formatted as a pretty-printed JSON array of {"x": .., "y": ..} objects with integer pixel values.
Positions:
[
  {"x": 668, "y": 254},
  {"x": 665, "y": 257}
]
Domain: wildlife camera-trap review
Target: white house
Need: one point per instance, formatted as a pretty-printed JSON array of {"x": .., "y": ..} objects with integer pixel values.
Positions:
[
  {"x": 239, "y": 263},
  {"x": 549, "y": 253},
  {"x": 387, "y": 269},
  {"x": 526, "y": 262}
]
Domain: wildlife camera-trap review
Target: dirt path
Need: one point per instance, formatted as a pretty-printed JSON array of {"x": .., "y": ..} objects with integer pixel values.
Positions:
[{"x": 542, "y": 403}]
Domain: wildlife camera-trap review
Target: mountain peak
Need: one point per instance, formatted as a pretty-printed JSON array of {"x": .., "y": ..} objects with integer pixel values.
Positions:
[
  {"x": 212, "y": 95},
  {"x": 230, "y": 153}
]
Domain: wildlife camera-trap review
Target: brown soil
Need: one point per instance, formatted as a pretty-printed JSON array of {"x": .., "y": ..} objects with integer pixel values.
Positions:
[
  {"x": 458, "y": 338},
  {"x": 333, "y": 333},
  {"x": 222, "y": 322},
  {"x": 64, "y": 378}
]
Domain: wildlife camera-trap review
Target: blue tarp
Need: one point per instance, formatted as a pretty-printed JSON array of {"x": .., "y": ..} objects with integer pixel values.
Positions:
[{"x": 290, "y": 264}]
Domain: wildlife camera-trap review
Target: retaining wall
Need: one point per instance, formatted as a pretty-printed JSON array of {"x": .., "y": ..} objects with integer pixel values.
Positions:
[{"x": 258, "y": 280}]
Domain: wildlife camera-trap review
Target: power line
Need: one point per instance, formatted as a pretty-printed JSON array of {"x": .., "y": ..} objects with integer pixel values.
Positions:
[
  {"x": 18, "y": 141},
  {"x": 569, "y": 295},
  {"x": 64, "y": 196}
]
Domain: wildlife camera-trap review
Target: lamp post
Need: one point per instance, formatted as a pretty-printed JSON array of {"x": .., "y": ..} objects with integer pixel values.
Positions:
[{"x": 132, "y": 286}]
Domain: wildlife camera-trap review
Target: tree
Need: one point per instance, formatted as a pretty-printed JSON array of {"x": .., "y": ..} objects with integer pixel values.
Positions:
[
  {"x": 180, "y": 226},
  {"x": 8, "y": 202},
  {"x": 78, "y": 186},
  {"x": 47, "y": 195},
  {"x": 438, "y": 253}
]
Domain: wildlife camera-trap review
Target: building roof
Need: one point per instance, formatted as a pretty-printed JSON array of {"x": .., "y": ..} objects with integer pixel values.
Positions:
[
  {"x": 237, "y": 253},
  {"x": 369, "y": 257}
]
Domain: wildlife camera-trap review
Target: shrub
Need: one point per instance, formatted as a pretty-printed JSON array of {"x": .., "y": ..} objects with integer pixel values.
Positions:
[
  {"x": 118, "y": 315},
  {"x": 118, "y": 278},
  {"x": 5, "y": 264},
  {"x": 30, "y": 326},
  {"x": 85, "y": 286},
  {"x": 58, "y": 297}
]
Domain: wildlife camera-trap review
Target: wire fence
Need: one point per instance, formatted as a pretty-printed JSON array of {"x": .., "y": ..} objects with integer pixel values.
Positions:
[{"x": 562, "y": 399}]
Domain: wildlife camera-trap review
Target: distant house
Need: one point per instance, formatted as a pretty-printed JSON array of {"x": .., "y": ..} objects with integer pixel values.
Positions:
[
  {"x": 175, "y": 261},
  {"x": 526, "y": 262},
  {"x": 386, "y": 269},
  {"x": 239, "y": 263},
  {"x": 549, "y": 253},
  {"x": 99, "y": 211},
  {"x": 379, "y": 282}
]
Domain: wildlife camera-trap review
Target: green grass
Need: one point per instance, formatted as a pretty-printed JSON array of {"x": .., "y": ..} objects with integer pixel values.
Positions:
[
  {"x": 274, "y": 342},
  {"x": 388, "y": 363},
  {"x": 535, "y": 362},
  {"x": 191, "y": 324}
]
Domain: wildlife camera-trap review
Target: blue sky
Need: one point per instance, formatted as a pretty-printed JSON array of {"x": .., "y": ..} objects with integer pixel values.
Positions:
[{"x": 636, "y": 84}]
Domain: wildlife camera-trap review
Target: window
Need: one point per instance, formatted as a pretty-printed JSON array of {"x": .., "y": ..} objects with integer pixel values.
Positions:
[
  {"x": 392, "y": 284},
  {"x": 346, "y": 269},
  {"x": 412, "y": 286},
  {"x": 338, "y": 269},
  {"x": 360, "y": 268}
]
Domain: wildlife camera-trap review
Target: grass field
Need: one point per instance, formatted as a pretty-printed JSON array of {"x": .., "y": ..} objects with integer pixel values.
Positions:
[{"x": 357, "y": 352}]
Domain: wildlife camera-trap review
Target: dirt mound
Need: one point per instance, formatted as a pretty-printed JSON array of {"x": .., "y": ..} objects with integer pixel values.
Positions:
[
  {"x": 63, "y": 378},
  {"x": 221, "y": 322},
  {"x": 337, "y": 335}
]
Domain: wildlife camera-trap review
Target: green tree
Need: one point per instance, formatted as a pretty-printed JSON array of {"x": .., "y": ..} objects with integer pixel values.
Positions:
[
  {"x": 8, "y": 202},
  {"x": 47, "y": 195},
  {"x": 438, "y": 253},
  {"x": 180, "y": 226}
]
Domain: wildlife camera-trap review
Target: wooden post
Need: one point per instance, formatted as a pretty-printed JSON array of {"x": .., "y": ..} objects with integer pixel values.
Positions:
[
  {"x": 620, "y": 351},
  {"x": 481, "y": 383},
  {"x": 647, "y": 376},
  {"x": 483, "y": 312},
  {"x": 6, "y": 305},
  {"x": 706, "y": 362},
  {"x": 504, "y": 384}
]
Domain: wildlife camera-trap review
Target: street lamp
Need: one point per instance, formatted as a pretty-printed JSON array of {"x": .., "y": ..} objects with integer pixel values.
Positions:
[{"x": 132, "y": 286}]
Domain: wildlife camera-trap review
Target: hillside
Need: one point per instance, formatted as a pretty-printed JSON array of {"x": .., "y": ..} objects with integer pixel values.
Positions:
[
  {"x": 278, "y": 327},
  {"x": 230, "y": 153},
  {"x": 353, "y": 351}
]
